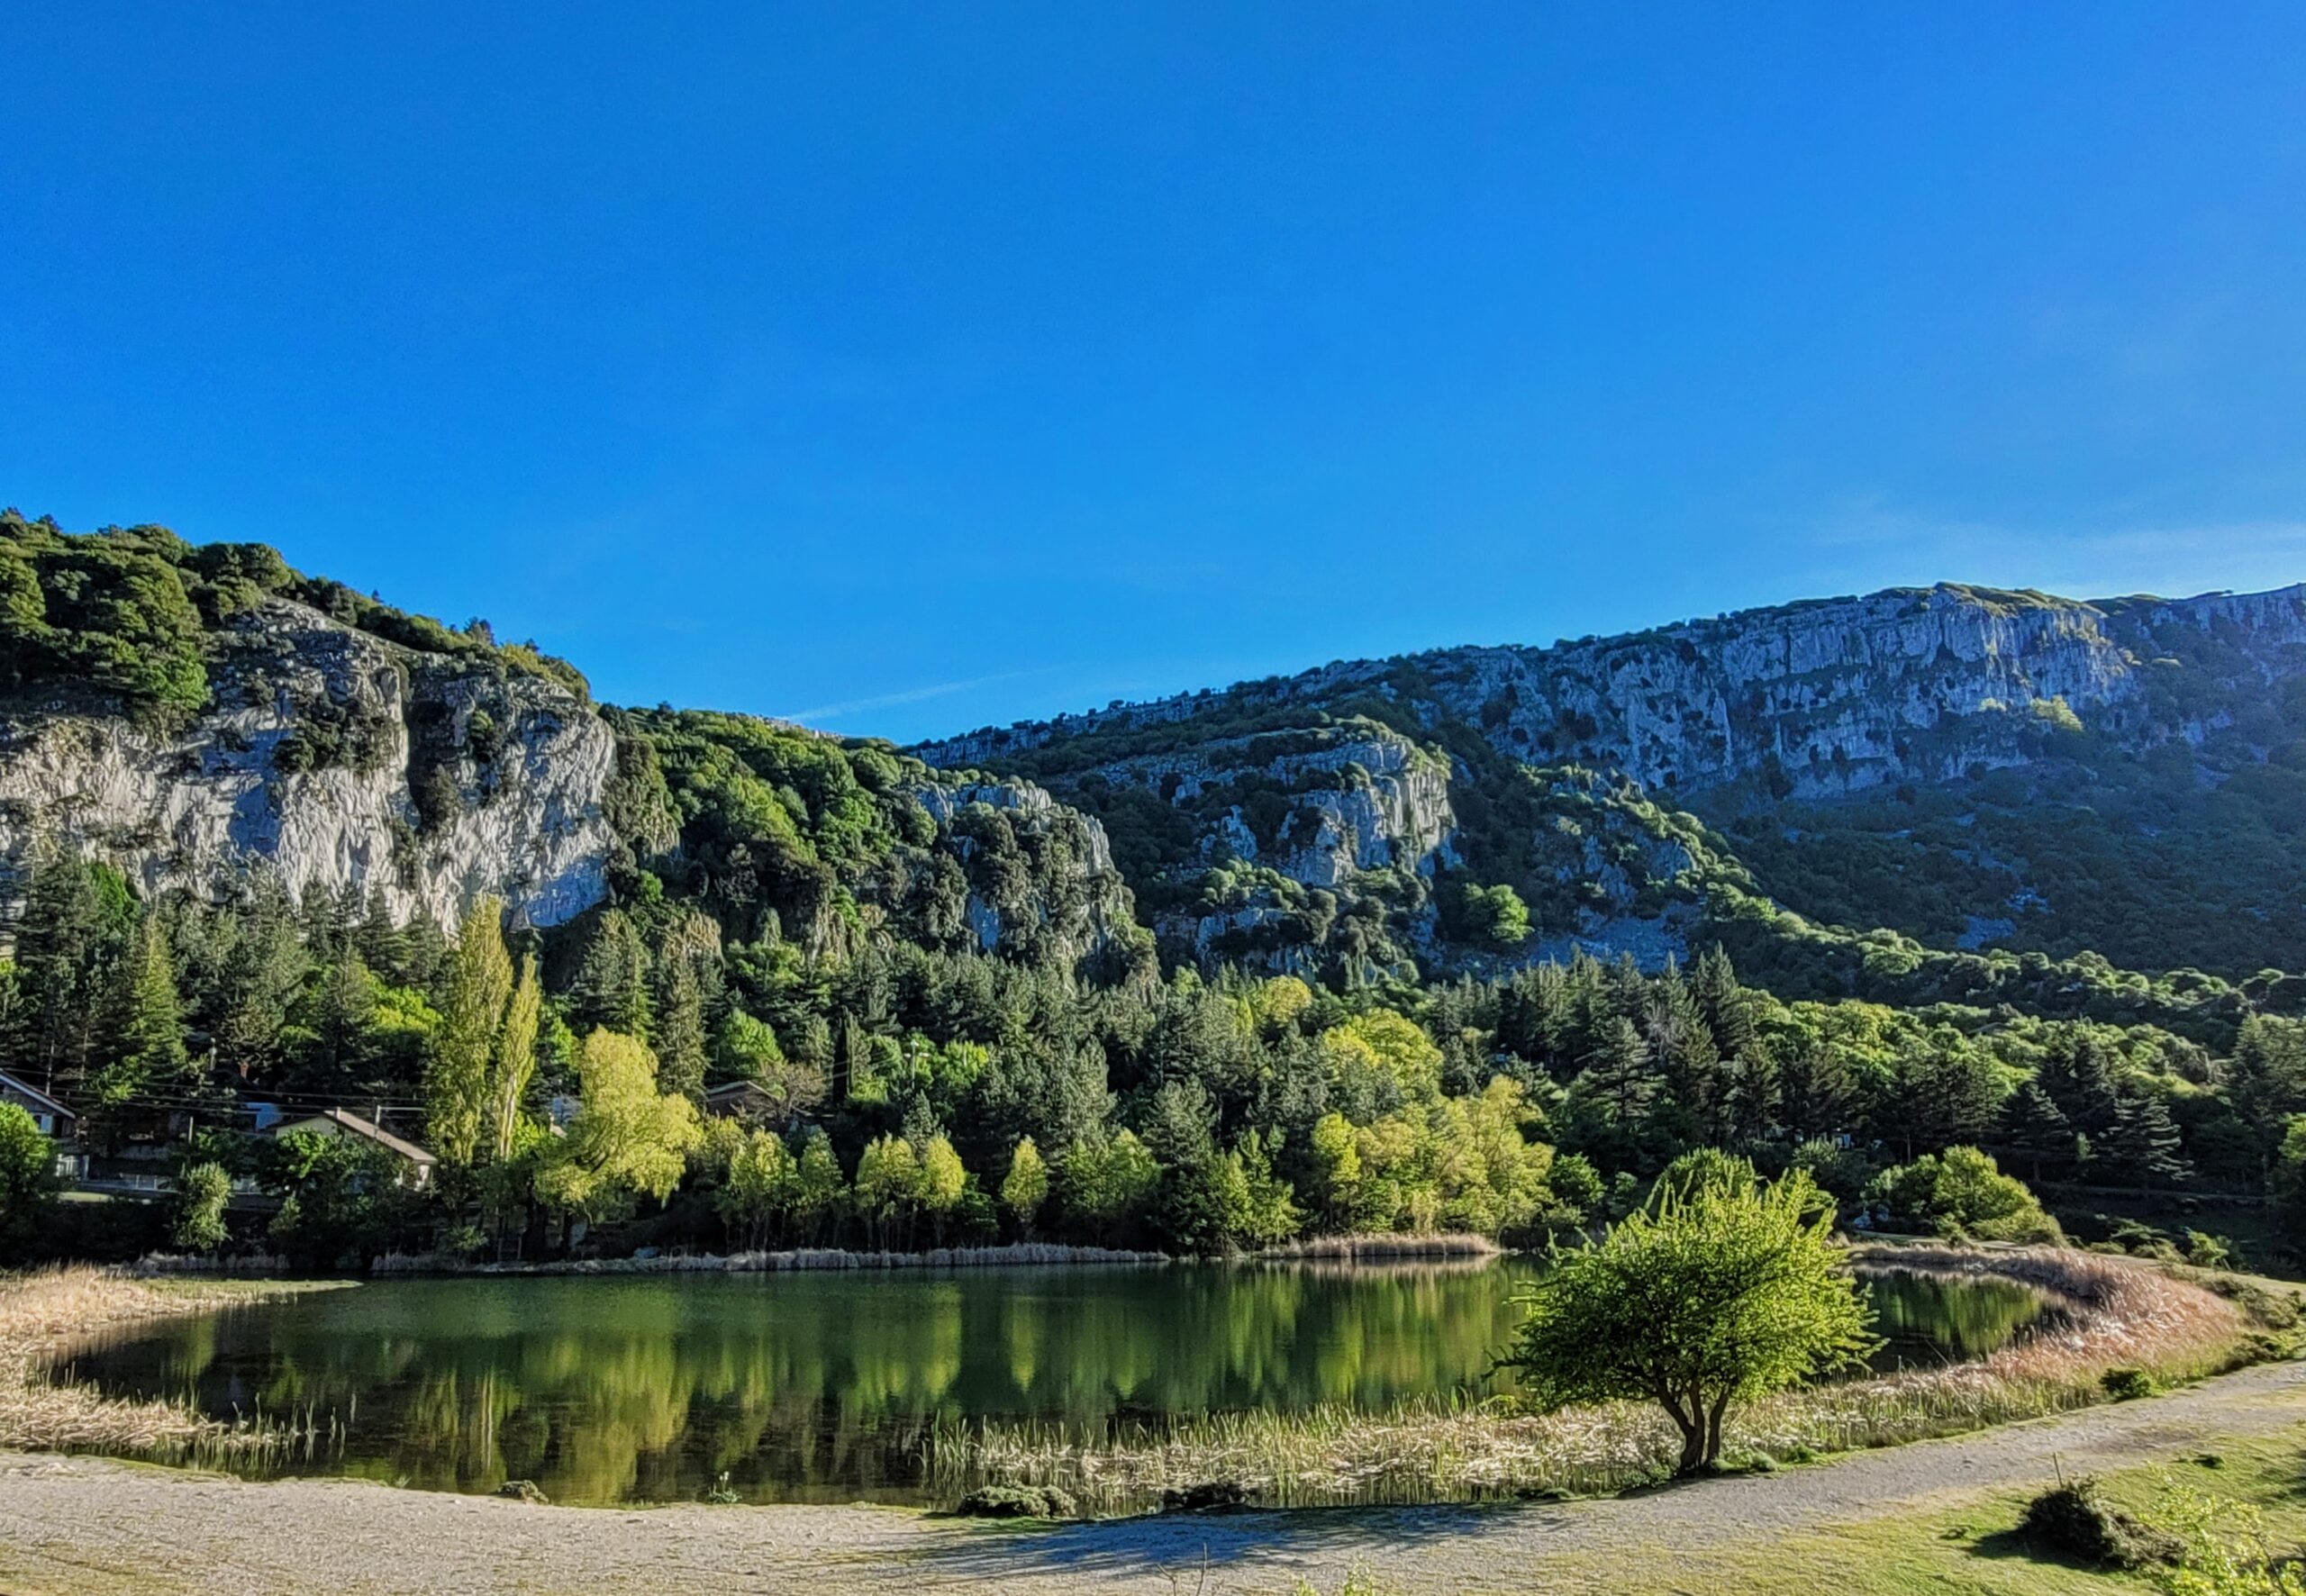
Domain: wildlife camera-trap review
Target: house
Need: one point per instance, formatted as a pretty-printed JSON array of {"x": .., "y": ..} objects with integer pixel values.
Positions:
[
  {"x": 743, "y": 1100},
  {"x": 56, "y": 1122},
  {"x": 345, "y": 1122}
]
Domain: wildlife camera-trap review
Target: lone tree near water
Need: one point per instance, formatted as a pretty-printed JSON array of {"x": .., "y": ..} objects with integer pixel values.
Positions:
[{"x": 1722, "y": 1289}]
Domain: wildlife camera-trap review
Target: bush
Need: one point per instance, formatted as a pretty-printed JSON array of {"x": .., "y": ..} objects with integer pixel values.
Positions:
[
  {"x": 2074, "y": 1520},
  {"x": 1209, "y": 1496},
  {"x": 196, "y": 1217},
  {"x": 1017, "y": 1501},
  {"x": 2127, "y": 1386},
  {"x": 1962, "y": 1192}
]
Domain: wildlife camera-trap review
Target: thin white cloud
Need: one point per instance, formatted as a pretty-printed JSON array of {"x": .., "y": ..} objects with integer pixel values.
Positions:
[{"x": 882, "y": 701}]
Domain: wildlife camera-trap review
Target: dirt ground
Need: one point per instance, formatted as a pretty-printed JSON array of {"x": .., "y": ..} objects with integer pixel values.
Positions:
[{"x": 89, "y": 1526}]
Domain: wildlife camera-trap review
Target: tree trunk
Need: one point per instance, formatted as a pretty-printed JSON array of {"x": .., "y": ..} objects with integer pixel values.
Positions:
[
  {"x": 1713, "y": 1429},
  {"x": 1693, "y": 1446}
]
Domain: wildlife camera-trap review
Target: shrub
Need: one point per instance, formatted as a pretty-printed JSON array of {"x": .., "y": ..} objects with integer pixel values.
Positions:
[
  {"x": 2075, "y": 1520},
  {"x": 2127, "y": 1386},
  {"x": 196, "y": 1218},
  {"x": 1962, "y": 1192},
  {"x": 1209, "y": 1496},
  {"x": 1017, "y": 1501}
]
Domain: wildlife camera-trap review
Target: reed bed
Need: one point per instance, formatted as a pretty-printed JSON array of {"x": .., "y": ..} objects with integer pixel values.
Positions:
[
  {"x": 1033, "y": 1254},
  {"x": 1382, "y": 1248},
  {"x": 2107, "y": 1313},
  {"x": 42, "y": 1312}
]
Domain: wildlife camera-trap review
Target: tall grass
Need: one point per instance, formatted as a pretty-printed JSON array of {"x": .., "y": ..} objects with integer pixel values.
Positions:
[{"x": 2107, "y": 1313}]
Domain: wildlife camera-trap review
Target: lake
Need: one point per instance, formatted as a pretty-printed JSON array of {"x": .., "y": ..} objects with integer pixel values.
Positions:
[{"x": 823, "y": 1387}]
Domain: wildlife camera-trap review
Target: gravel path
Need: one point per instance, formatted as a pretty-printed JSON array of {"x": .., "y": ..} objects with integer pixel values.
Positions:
[{"x": 94, "y": 1527}]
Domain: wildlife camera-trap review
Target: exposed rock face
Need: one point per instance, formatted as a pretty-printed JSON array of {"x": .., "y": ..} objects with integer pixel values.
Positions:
[
  {"x": 1072, "y": 906},
  {"x": 1827, "y": 697},
  {"x": 336, "y": 759},
  {"x": 1810, "y": 701}
]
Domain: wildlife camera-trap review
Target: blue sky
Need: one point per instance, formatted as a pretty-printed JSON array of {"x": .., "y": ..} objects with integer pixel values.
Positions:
[{"x": 910, "y": 369}]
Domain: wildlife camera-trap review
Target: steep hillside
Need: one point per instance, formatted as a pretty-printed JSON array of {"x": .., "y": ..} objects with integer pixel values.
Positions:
[
  {"x": 1969, "y": 768},
  {"x": 188, "y": 715}
]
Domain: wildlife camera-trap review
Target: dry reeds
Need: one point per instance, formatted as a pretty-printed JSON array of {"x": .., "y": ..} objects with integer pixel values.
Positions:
[
  {"x": 41, "y": 1310},
  {"x": 1383, "y": 1248},
  {"x": 2107, "y": 1312},
  {"x": 1019, "y": 1254}
]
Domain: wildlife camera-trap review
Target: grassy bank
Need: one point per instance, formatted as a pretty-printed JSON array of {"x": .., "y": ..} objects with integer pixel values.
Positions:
[
  {"x": 2110, "y": 1313},
  {"x": 1967, "y": 1542},
  {"x": 43, "y": 1311}
]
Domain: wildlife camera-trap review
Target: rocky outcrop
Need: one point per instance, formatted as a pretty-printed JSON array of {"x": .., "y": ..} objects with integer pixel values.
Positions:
[
  {"x": 1816, "y": 699},
  {"x": 335, "y": 759},
  {"x": 1041, "y": 881}
]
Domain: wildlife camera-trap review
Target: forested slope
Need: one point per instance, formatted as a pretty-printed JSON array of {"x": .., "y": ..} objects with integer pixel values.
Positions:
[{"x": 1474, "y": 941}]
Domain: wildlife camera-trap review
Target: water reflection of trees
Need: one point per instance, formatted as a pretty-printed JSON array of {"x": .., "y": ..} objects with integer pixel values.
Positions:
[
  {"x": 824, "y": 1386},
  {"x": 1929, "y": 1319}
]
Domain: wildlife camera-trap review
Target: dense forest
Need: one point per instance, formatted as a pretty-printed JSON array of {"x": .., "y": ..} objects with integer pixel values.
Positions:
[{"x": 954, "y": 1026}]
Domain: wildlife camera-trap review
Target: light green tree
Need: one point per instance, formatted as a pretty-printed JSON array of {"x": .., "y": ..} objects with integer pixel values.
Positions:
[
  {"x": 888, "y": 1186},
  {"x": 460, "y": 1064},
  {"x": 1026, "y": 1186},
  {"x": 1715, "y": 1293},
  {"x": 943, "y": 1179},
  {"x": 627, "y": 1139},
  {"x": 760, "y": 1186},
  {"x": 1962, "y": 1192},
  {"x": 27, "y": 1178},
  {"x": 512, "y": 1062}
]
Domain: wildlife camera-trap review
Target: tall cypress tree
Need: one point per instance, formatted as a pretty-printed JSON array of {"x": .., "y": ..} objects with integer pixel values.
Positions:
[
  {"x": 2033, "y": 1125},
  {"x": 459, "y": 1071}
]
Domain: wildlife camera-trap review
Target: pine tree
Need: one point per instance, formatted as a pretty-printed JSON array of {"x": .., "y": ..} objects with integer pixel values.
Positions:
[
  {"x": 343, "y": 1010},
  {"x": 1727, "y": 1006},
  {"x": 1815, "y": 1093},
  {"x": 2142, "y": 1143},
  {"x": 381, "y": 942},
  {"x": 75, "y": 930},
  {"x": 1619, "y": 1077},
  {"x": 2033, "y": 1125},
  {"x": 148, "y": 1051},
  {"x": 612, "y": 989},
  {"x": 1682, "y": 1043},
  {"x": 260, "y": 983},
  {"x": 680, "y": 1028},
  {"x": 2078, "y": 1074}
]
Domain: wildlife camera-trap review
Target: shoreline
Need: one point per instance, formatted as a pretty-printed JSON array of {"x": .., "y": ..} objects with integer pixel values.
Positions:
[
  {"x": 94, "y": 1527},
  {"x": 45, "y": 1312}
]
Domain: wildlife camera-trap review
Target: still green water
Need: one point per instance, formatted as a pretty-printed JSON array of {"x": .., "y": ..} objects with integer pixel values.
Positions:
[{"x": 823, "y": 1387}]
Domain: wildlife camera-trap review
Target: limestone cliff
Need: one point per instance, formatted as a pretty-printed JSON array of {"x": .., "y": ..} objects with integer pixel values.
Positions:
[
  {"x": 1231, "y": 821},
  {"x": 335, "y": 759},
  {"x": 1824, "y": 697}
]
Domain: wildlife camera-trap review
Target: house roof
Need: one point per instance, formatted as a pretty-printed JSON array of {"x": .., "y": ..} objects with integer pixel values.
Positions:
[
  {"x": 357, "y": 1126},
  {"x": 9, "y": 1083}
]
